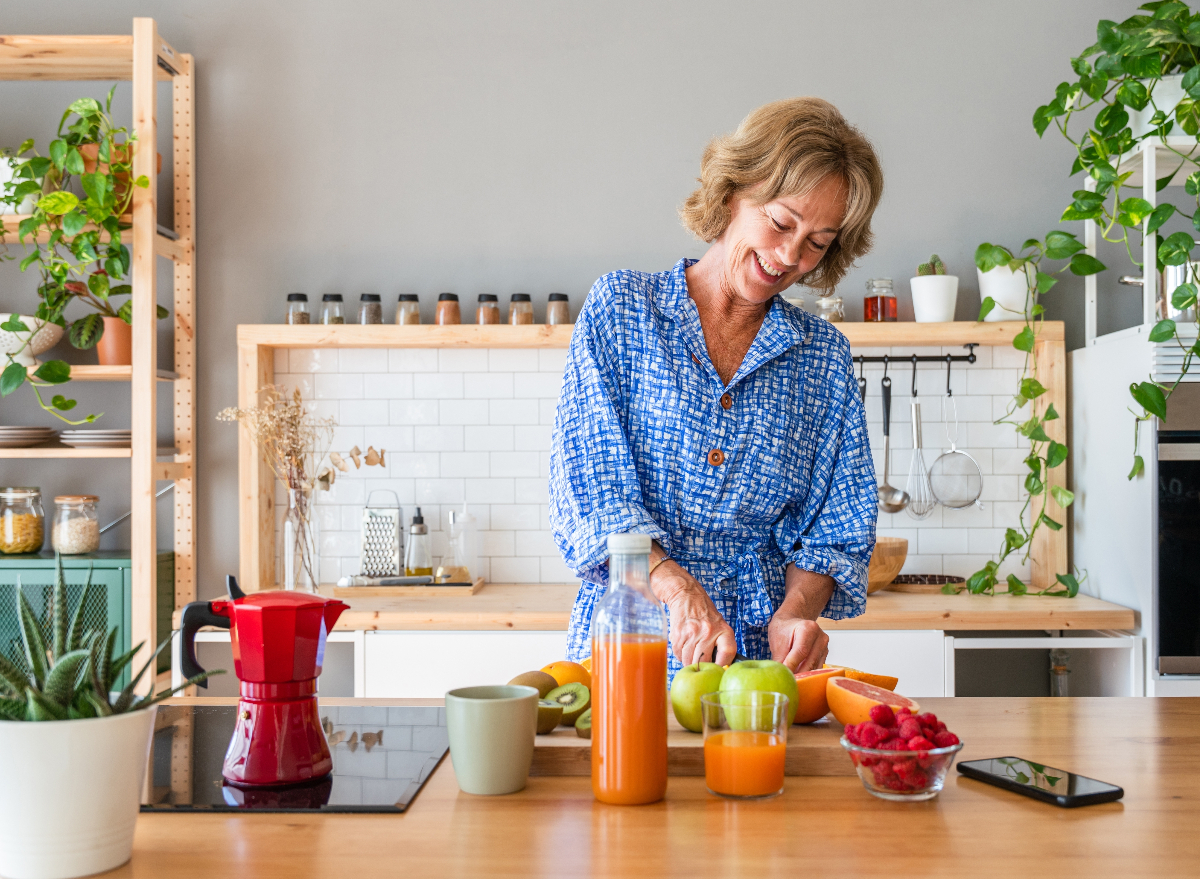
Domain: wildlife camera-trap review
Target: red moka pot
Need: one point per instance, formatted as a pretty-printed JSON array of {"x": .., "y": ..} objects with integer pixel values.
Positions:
[{"x": 278, "y": 641}]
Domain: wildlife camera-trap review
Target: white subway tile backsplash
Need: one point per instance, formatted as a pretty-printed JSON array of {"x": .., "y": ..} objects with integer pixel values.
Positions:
[{"x": 477, "y": 426}]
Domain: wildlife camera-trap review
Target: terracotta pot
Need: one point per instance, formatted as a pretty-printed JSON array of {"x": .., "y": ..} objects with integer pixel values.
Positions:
[{"x": 115, "y": 347}]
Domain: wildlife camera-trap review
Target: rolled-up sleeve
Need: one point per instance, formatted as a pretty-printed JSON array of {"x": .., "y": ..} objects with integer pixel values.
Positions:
[
  {"x": 832, "y": 531},
  {"x": 594, "y": 485}
]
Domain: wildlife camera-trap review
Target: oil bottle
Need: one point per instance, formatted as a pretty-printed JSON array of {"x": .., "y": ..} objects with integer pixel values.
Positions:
[{"x": 418, "y": 559}]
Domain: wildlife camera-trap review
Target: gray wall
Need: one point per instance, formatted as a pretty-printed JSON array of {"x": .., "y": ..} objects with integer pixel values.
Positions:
[{"x": 532, "y": 146}]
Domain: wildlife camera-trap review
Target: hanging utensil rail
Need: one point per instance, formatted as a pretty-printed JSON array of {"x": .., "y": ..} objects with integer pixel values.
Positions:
[{"x": 922, "y": 358}]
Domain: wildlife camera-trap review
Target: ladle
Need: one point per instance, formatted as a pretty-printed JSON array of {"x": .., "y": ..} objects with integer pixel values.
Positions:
[{"x": 891, "y": 499}]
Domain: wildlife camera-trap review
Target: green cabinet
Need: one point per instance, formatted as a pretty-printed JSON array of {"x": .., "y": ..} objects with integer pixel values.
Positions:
[{"x": 111, "y": 596}]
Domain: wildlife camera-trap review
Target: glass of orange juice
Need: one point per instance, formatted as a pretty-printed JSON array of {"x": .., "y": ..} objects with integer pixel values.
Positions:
[{"x": 745, "y": 743}]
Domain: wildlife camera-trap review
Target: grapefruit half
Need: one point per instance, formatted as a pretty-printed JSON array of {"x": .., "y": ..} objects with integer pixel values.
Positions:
[
  {"x": 851, "y": 701},
  {"x": 811, "y": 702},
  {"x": 886, "y": 681}
]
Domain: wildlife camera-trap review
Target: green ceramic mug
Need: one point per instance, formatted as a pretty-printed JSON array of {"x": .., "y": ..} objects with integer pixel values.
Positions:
[{"x": 491, "y": 732}]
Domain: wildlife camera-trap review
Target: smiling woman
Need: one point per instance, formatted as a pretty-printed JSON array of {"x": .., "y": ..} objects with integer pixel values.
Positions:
[{"x": 701, "y": 409}]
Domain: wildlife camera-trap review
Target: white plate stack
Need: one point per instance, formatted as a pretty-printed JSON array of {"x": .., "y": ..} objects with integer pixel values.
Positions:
[
  {"x": 97, "y": 439},
  {"x": 23, "y": 437}
]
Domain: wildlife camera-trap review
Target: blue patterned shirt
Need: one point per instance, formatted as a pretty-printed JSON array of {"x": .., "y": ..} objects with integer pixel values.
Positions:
[{"x": 639, "y": 422}]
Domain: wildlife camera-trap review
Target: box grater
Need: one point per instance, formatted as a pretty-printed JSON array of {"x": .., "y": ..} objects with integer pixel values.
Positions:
[{"x": 381, "y": 541}]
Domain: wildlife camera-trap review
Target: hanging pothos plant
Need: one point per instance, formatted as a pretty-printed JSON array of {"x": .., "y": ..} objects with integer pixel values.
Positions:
[
  {"x": 1124, "y": 71},
  {"x": 1045, "y": 454}
]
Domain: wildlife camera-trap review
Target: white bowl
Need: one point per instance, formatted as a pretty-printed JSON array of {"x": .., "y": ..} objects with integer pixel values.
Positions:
[{"x": 45, "y": 335}]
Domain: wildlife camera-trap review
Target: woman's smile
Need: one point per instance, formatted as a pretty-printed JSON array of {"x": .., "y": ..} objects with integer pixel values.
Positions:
[{"x": 769, "y": 269}]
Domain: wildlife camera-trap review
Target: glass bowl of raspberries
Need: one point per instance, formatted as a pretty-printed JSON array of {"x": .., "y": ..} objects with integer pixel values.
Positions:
[{"x": 901, "y": 756}]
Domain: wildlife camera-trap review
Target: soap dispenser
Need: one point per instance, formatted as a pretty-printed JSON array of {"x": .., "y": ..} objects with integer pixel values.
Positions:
[{"x": 418, "y": 559}]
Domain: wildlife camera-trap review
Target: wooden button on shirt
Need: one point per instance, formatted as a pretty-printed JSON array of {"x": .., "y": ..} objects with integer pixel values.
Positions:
[
  {"x": 716, "y": 457},
  {"x": 726, "y": 401}
]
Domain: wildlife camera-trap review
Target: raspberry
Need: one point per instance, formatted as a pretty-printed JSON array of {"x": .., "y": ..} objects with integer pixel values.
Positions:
[
  {"x": 896, "y": 744},
  {"x": 902, "y": 713},
  {"x": 908, "y": 728},
  {"x": 915, "y": 779},
  {"x": 928, "y": 719},
  {"x": 883, "y": 715},
  {"x": 919, "y": 743},
  {"x": 866, "y": 760},
  {"x": 928, "y": 732},
  {"x": 945, "y": 739},
  {"x": 852, "y": 734},
  {"x": 871, "y": 734},
  {"x": 896, "y": 784},
  {"x": 941, "y": 727},
  {"x": 902, "y": 765}
]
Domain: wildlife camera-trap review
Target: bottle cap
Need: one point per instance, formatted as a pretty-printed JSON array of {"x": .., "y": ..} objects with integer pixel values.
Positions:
[
  {"x": 629, "y": 544},
  {"x": 297, "y": 297},
  {"x": 520, "y": 297},
  {"x": 332, "y": 297},
  {"x": 487, "y": 297},
  {"x": 558, "y": 297},
  {"x": 369, "y": 297},
  {"x": 418, "y": 519},
  {"x": 447, "y": 297},
  {"x": 408, "y": 297},
  {"x": 76, "y": 499}
]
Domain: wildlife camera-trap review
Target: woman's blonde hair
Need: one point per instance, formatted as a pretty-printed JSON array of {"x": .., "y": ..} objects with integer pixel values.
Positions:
[{"x": 789, "y": 148}]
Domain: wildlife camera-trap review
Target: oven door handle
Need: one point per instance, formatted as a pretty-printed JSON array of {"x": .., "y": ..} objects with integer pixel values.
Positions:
[{"x": 1179, "y": 451}]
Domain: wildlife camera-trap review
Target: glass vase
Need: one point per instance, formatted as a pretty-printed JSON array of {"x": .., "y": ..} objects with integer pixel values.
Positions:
[{"x": 301, "y": 546}]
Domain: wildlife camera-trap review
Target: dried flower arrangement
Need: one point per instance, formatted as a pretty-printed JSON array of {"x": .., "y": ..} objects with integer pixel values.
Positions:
[{"x": 296, "y": 443}]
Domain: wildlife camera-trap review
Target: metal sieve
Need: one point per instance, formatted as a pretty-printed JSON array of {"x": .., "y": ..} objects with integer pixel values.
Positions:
[{"x": 955, "y": 478}]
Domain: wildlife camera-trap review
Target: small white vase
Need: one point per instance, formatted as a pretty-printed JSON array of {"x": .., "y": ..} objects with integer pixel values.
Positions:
[
  {"x": 1008, "y": 289},
  {"x": 71, "y": 794},
  {"x": 933, "y": 297},
  {"x": 42, "y": 336}
]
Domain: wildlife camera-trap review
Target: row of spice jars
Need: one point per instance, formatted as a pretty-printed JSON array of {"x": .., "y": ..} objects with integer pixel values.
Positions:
[
  {"x": 408, "y": 309},
  {"x": 76, "y": 527}
]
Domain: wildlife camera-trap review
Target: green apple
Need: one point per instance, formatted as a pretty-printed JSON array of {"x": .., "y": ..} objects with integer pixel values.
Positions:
[
  {"x": 763, "y": 674},
  {"x": 691, "y": 682}
]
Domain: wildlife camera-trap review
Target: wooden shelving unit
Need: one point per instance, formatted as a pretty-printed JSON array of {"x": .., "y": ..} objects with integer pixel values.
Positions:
[
  {"x": 146, "y": 59},
  {"x": 256, "y": 368}
]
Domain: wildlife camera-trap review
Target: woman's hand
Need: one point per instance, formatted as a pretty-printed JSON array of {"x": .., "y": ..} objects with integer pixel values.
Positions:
[
  {"x": 795, "y": 638},
  {"x": 697, "y": 627}
]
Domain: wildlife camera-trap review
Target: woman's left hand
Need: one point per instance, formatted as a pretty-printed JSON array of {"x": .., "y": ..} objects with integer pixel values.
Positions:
[{"x": 795, "y": 638}]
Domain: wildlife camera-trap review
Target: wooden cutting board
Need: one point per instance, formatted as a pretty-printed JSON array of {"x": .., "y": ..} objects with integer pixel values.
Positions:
[{"x": 813, "y": 749}]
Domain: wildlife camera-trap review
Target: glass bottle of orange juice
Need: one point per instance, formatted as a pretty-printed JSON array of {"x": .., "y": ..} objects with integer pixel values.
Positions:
[{"x": 629, "y": 680}]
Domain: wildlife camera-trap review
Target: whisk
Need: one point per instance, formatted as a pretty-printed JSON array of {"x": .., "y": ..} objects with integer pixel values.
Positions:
[{"x": 921, "y": 501}]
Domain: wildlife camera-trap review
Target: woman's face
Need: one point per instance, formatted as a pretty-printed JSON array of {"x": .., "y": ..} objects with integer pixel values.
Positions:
[{"x": 769, "y": 246}]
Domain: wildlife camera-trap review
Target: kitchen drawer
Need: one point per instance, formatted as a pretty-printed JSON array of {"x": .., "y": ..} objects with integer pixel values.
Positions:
[
  {"x": 427, "y": 664},
  {"x": 916, "y": 656}
]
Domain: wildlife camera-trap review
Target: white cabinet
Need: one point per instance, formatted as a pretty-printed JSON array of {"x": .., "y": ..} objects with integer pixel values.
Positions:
[
  {"x": 916, "y": 656},
  {"x": 409, "y": 664}
]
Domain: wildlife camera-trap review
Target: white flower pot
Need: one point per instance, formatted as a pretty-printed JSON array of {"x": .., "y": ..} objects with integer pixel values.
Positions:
[
  {"x": 45, "y": 336},
  {"x": 70, "y": 795},
  {"x": 7, "y": 169},
  {"x": 1168, "y": 92},
  {"x": 1008, "y": 289},
  {"x": 933, "y": 297}
]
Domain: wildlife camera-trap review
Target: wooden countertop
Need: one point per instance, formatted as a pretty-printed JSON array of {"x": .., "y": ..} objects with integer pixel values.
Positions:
[
  {"x": 818, "y": 827},
  {"x": 548, "y": 608}
]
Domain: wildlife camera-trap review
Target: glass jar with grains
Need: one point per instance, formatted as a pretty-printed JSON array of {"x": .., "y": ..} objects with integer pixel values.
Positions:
[
  {"x": 408, "y": 309},
  {"x": 76, "y": 524},
  {"x": 520, "y": 309},
  {"x": 22, "y": 520},
  {"x": 447, "y": 309},
  {"x": 370, "y": 309},
  {"x": 489, "y": 309},
  {"x": 297, "y": 308},
  {"x": 558, "y": 309},
  {"x": 831, "y": 308},
  {"x": 331, "y": 309}
]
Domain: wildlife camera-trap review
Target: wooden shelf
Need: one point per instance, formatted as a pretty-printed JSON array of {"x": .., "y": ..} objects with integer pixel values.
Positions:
[
  {"x": 79, "y": 58},
  {"x": 543, "y": 336},
  {"x": 61, "y": 451},
  {"x": 169, "y": 246},
  {"x": 89, "y": 373}
]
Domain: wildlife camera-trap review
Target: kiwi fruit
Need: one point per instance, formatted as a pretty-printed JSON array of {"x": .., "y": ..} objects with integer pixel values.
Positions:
[
  {"x": 549, "y": 715},
  {"x": 575, "y": 699},
  {"x": 583, "y": 726},
  {"x": 539, "y": 680}
]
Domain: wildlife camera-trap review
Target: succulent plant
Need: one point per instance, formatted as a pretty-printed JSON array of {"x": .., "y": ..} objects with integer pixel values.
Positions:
[
  {"x": 935, "y": 266},
  {"x": 72, "y": 678}
]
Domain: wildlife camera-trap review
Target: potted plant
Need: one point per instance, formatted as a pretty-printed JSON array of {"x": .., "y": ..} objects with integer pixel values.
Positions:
[
  {"x": 934, "y": 293},
  {"x": 72, "y": 752}
]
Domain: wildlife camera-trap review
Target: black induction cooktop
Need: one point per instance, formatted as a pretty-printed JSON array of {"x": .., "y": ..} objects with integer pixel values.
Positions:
[{"x": 381, "y": 758}]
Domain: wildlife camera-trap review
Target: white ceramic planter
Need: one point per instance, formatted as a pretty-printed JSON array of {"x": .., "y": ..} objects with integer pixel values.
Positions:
[
  {"x": 1008, "y": 289},
  {"x": 1167, "y": 95},
  {"x": 70, "y": 795},
  {"x": 933, "y": 297},
  {"x": 6, "y": 174},
  {"x": 45, "y": 337}
]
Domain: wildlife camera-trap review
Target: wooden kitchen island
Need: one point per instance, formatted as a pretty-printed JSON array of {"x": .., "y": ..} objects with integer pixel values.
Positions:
[{"x": 818, "y": 827}]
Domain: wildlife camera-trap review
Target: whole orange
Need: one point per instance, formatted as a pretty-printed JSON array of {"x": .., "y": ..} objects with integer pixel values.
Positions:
[{"x": 566, "y": 672}]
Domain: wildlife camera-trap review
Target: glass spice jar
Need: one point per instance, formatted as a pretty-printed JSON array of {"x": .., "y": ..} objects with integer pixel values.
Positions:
[
  {"x": 331, "y": 309},
  {"x": 297, "y": 308},
  {"x": 370, "y": 310},
  {"x": 408, "y": 309},
  {"x": 558, "y": 309},
  {"x": 520, "y": 309},
  {"x": 880, "y": 302},
  {"x": 447, "y": 309},
  {"x": 22, "y": 520},
  {"x": 830, "y": 308},
  {"x": 76, "y": 527},
  {"x": 489, "y": 309}
]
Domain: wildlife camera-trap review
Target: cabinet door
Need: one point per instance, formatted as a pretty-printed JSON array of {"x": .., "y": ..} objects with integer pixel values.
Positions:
[
  {"x": 916, "y": 656},
  {"x": 427, "y": 664}
]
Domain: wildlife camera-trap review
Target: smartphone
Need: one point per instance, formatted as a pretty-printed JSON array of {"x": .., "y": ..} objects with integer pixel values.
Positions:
[{"x": 1041, "y": 782}]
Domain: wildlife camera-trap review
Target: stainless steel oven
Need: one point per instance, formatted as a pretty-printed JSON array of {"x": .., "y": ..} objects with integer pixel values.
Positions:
[{"x": 1178, "y": 552}]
